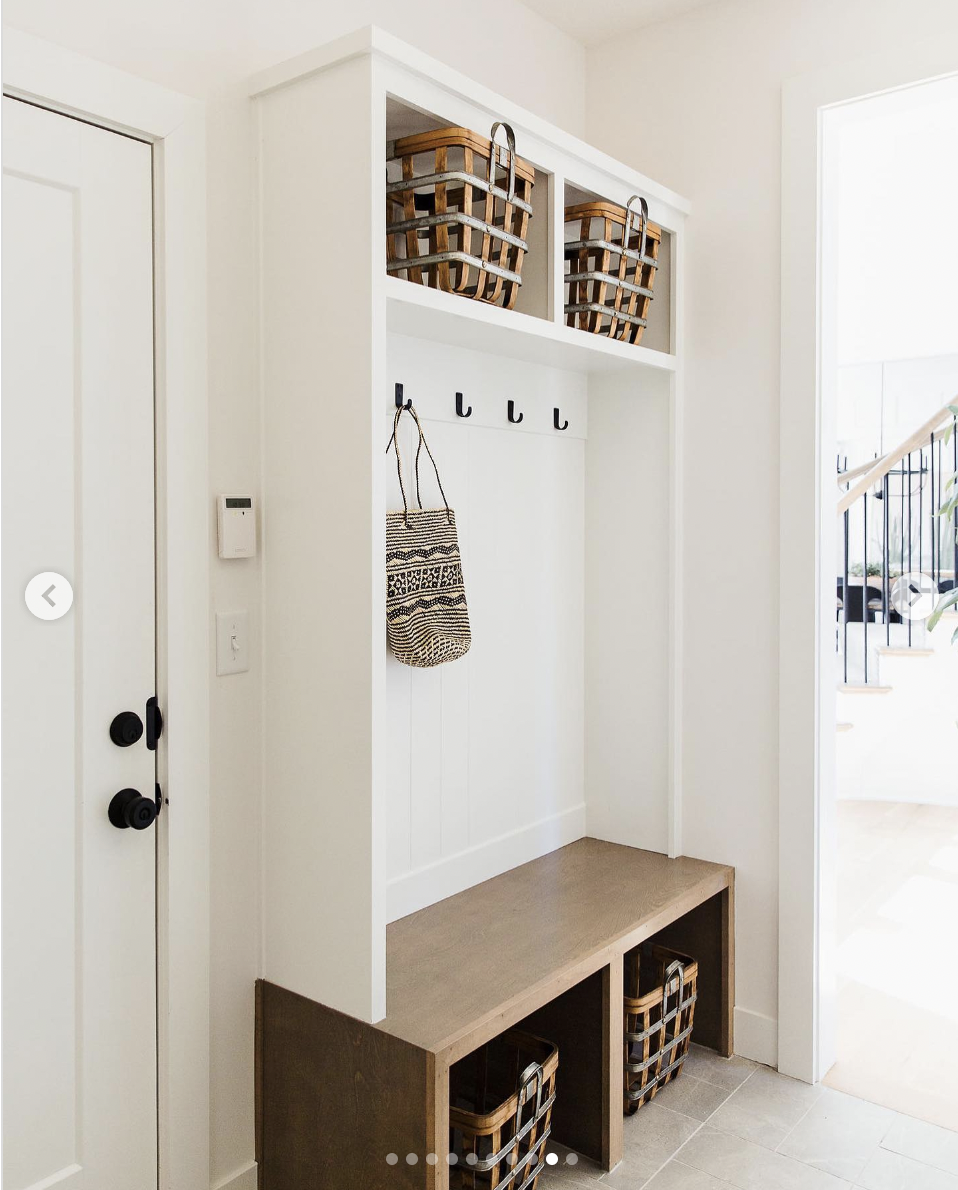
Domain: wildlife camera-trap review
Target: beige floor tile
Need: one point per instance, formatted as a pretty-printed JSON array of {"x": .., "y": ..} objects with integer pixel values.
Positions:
[
  {"x": 838, "y": 1134},
  {"x": 656, "y": 1133},
  {"x": 710, "y": 1067},
  {"x": 691, "y": 1096},
  {"x": 631, "y": 1173},
  {"x": 570, "y": 1172},
  {"x": 752, "y": 1167},
  {"x": 676, "y": 1176},
  {"x": 923, "y": 1142},
  {"x": 765, "y": 1108},
  {"x": 891, "y": 1171}
]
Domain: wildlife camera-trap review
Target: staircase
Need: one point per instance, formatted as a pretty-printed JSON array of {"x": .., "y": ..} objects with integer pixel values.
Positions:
[{"x": 898, "y": 681}]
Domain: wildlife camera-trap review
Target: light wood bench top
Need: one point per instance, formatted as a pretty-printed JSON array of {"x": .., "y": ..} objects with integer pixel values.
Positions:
[{"x": 462, "y": 970}]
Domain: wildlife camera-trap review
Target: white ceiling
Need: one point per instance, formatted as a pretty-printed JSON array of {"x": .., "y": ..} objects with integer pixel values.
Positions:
[{"x": 593, "y": 23}]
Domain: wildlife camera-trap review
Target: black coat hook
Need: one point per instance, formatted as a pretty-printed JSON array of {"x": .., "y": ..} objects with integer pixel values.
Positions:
[
  {"x": 511, "y": 413},
  {"x": 468, "y": 412},
  {"x": 555, "y": 421},
  {"x": 399, "y": 400}
]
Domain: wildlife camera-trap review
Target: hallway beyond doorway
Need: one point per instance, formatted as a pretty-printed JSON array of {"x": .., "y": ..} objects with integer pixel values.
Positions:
[{"x": 897, "y": 973}]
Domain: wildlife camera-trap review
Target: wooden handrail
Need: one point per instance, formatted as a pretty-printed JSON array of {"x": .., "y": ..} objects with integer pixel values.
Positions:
[{"x": 872, "y": 473}]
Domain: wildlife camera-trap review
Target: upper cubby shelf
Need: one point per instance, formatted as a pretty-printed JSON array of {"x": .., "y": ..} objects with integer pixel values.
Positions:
[
  {"x": 430, "y": 314},
  {"x": 413, "y": 94}
]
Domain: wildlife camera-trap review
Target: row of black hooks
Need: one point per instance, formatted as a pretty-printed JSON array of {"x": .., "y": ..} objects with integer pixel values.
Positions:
[{"x": 462, "y": 411}]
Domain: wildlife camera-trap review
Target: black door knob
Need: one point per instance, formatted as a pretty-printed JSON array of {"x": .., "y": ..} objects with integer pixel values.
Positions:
[
  {"x": 126, "y": 729},
  {"x": 129, "y": 808}
]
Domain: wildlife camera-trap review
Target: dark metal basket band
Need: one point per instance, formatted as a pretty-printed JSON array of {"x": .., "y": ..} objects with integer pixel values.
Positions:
[
  {"x": 639, "y": 1067},
  {"x": 611, "y": 311},
  {"x": 535, "y": 1158},
  {"x": 609, "y": 279},
  {"x": 660, "y": 1024},
  {"x": 493, "y": 1160},
  {"x": 484, "y": 266},
  {"x": 424, "y": 222},
  {"x": 640, "y": 1092},
  {"x": 458, "y": 175},
  {"x": 609, "y": 246}
]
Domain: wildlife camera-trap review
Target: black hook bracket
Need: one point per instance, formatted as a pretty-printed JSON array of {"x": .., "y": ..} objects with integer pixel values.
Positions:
[
  {"x": 511, "y": 413},
  {"x": 399, "y": 401},
  {"x": 555, "y": 421},
  {"x": 459, "y": 409}
]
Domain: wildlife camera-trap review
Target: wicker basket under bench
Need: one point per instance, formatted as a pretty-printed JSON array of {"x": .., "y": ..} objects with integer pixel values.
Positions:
[
  {"x": 661, "y": 988},
  {"x": 500, "y": 1112}
]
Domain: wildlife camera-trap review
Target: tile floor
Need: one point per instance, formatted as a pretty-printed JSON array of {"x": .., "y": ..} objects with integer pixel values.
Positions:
[
  {"x": 730, "y": 1123},
  {"x": 897, "y": 963}
]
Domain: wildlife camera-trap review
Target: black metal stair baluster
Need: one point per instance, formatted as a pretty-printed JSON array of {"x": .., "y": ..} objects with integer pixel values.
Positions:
[
  {"x": 885, "y": 569},
  {"x": 865, "y": 600},
  {"x": 909, "y": 538},
  {"x": 845, "y": 599},
  {"x": 934, "y": 507},
  {"x": 921, "y": 510}
]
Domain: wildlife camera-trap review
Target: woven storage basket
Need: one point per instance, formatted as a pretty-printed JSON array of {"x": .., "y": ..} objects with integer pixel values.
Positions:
[
  {"x": 660, "y": 994},
  {"x": 610, "y": 263},
  {"x": 457, "y": 213},
  {"x": 500, "y": 1113}
]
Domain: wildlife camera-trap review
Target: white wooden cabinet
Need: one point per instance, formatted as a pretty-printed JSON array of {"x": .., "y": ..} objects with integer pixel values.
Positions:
[{"x": 387, "y": 788}]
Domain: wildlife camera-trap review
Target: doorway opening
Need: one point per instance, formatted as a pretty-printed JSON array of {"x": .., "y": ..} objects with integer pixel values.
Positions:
[{"x": 889, "y": 381}]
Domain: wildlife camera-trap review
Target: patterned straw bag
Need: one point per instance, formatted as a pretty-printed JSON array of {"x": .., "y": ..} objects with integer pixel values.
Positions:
[{"x": 426, "y": 611}]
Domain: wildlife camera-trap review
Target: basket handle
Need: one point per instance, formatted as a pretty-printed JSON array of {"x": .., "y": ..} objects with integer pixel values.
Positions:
[
  {"x": 394, "y": 442},
  {"x": 511, "y": 150},
  {"x": 643, "y": 215},
  {"x": 532, "y": 1073},
  {"x": 673, "y": 970}
]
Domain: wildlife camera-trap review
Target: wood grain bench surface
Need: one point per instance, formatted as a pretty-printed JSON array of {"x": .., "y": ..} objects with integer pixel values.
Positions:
[{"x": 460, "y": 971}]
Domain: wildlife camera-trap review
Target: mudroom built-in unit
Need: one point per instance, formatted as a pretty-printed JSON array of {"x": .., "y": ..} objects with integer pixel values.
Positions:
[{"x": 392, "y": 792}]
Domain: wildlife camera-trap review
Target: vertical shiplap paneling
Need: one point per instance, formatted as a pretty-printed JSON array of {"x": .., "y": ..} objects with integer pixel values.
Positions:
[
  {"x": 495, "y": 745},
  {"x": 398, "y": 775}
]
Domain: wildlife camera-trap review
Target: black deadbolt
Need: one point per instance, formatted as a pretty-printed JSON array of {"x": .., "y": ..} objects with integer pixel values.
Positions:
[
  {"x": 126, "y": 729},
  {"x": 130, "y": 808}
]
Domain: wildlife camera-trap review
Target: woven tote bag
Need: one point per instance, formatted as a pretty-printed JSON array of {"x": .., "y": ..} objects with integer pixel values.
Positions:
[{"x": 426, "y": 613}]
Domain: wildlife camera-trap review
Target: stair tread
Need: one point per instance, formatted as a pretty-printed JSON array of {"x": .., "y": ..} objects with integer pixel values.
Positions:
[
  {"x": 852, "y": 688},
  {"x": 904, "y": 651},
  {"x": 844, "y": 726}
]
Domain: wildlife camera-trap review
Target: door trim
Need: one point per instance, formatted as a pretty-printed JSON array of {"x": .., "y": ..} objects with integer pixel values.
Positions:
[
  {"x": 807, "y": 535},
  {"x": 174, "y": 125}
]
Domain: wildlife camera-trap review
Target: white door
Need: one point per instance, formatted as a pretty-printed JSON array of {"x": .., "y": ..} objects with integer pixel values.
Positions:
[{"x": 79, "y": 897}]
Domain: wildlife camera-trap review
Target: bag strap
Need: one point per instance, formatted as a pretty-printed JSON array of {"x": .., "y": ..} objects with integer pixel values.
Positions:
[{"x": 394, "y": 442}]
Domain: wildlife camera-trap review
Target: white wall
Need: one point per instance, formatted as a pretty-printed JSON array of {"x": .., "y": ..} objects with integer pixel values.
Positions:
[
  {"x": 204, "y": 47},
  {"x": 208, "y": 49},
  {"x": 707, "y": 121}
]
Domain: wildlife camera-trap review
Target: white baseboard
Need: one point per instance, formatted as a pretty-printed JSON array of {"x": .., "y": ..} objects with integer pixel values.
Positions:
[
  {"x": 243, "y": 1179},
  {"x": 756, "y": 1037},
  {"x": 450, "y": 875}
]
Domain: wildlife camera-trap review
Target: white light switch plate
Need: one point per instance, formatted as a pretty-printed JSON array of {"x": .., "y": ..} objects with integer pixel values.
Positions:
[{"x": 232, "y": 642}]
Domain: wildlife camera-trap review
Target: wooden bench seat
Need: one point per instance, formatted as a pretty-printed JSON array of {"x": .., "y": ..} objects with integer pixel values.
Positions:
[{"x": 541, "y": 946}]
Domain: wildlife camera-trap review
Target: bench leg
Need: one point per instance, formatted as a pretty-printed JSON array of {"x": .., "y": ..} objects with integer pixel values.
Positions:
[{"x": 612, "y": 1063}]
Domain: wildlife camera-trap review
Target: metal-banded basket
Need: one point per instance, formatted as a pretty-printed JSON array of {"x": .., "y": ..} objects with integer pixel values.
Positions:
[
  {"x": 457, "y": 212},
  {"x": 611, "y": 254},
  {"x": 500, "y": 1113},
  {"x": 661, "y": 990}
]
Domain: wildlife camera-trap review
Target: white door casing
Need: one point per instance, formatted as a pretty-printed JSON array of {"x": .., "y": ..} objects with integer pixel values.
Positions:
[
  {"x": 807, "y": 879},
  {"x": 78, "y": 498}
]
